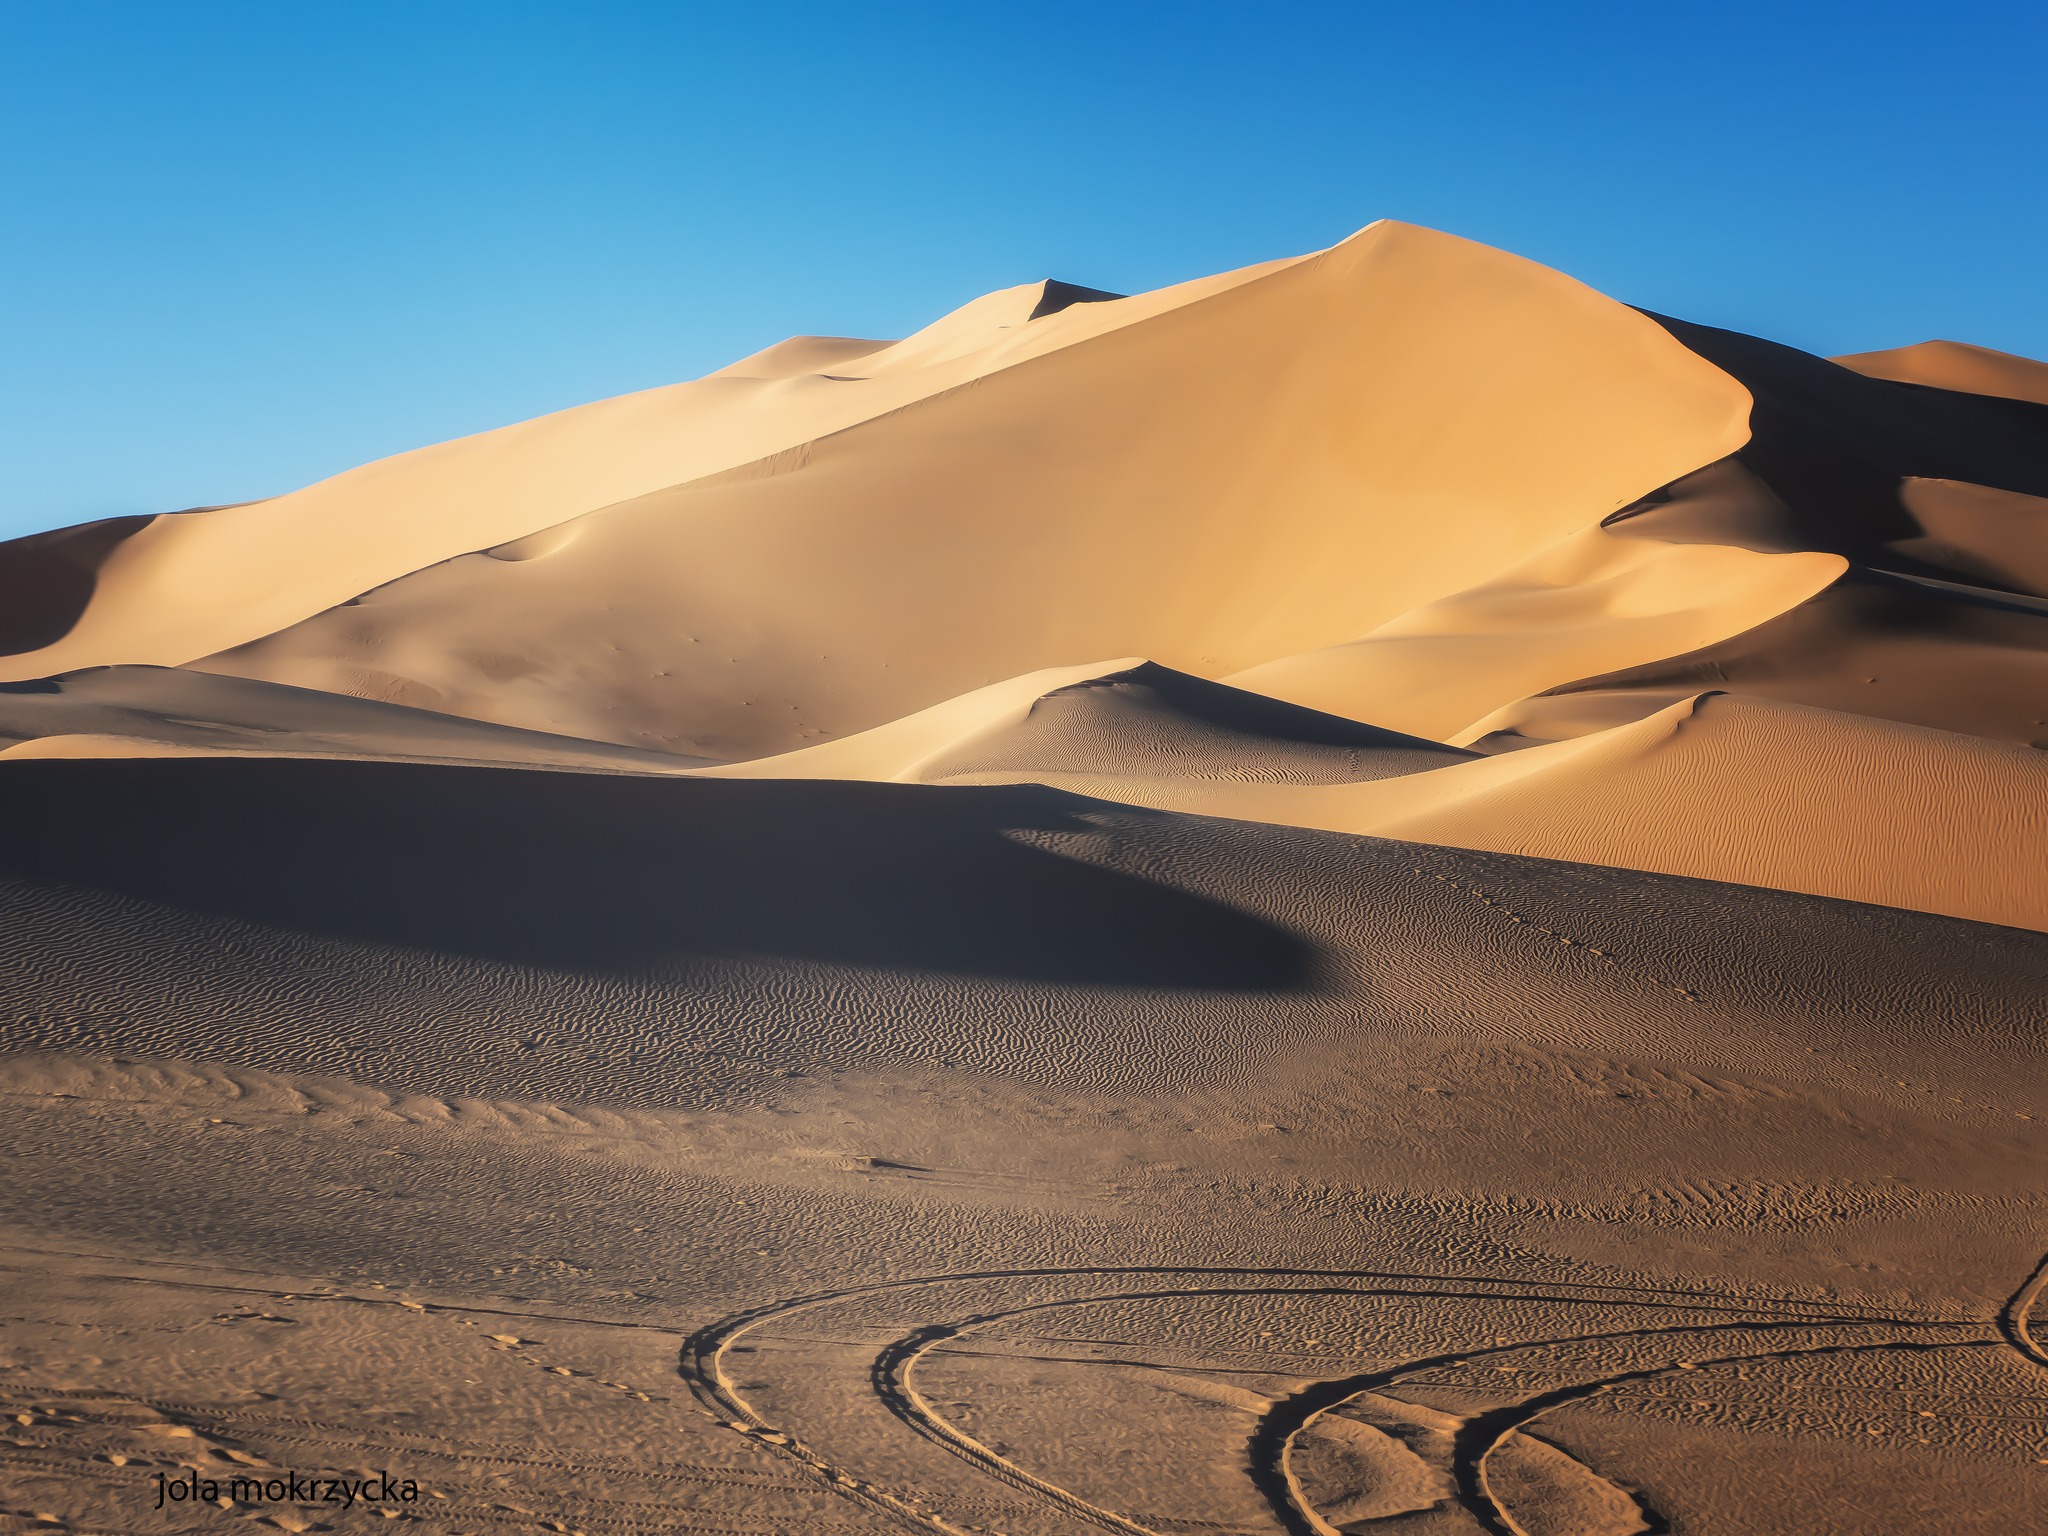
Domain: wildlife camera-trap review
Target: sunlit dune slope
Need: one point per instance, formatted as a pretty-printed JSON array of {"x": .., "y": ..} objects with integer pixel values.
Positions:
[
  {"x": 1731, "y": 787},
  {"x": 1267, "y": 468},
  {"x": 1595, "y": 602},
  {"x": 1928, "y": 502},
  {"x": 168, "y": 589},
  {"x": 1957, "y": 365}
]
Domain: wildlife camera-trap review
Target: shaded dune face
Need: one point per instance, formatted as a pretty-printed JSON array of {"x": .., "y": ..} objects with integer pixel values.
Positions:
[
  {"x": 1836, "y": 446},
  {"x": 625, "y": 876},
  {"x": 47, "y": 580},
  {"x": 1056, "y": 296}
]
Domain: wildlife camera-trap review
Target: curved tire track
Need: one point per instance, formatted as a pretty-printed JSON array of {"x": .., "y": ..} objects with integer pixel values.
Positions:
[
  {"x": 1482, "y": 1435},
  {"x": 1274, "y": 1440},
  {"x": 703, "y": 1364},
  {"x": 2015, "y": 1319}
]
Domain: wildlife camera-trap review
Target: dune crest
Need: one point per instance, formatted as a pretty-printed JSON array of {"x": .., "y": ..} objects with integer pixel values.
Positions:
[{"x": 1111, "y": 717}]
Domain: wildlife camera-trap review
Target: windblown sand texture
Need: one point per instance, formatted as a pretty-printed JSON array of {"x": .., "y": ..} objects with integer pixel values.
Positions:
[{"x": 1373, "y": 894}]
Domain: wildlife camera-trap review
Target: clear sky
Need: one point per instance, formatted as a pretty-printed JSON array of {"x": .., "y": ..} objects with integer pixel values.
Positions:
[{"x": 248, "y": 245}]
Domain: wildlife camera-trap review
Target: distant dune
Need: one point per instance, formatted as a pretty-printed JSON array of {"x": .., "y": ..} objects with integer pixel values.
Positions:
[
  {"x": 1377, "y": 892},
  {"x": 1957, "y": 365}
]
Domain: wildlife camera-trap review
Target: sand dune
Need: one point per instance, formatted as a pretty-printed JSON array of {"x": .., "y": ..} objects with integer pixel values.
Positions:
[
  {"x": 1803, "y": 799},
  {"x": 1262, "y": 470},
  {"x": 174, "y": 588},
  {"x": 1113, "y": 717},
  {"x": 1957, "y": 365},
  {"x": 1809, "y": 800},
  {"x": 1577, "y": 609},
  {"x": 1418, "y": 488},
  {"x": 1941, "y": 654},
  {"x": 1446, "y": 525},
  {"x": 1985, "y": 537},
  {"x": 1372, "y": 893}
]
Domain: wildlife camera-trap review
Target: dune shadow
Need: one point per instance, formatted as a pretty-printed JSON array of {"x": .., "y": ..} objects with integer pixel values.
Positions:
[
  {"x": 618, "y": 875},
  {"x": 1834, "y": 444},
  {"x": 47, "y": 579},
  {"x": 1056, "y": 296}
]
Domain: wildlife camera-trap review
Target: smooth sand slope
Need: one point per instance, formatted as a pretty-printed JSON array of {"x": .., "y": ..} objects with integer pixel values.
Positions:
[
  {"x": 1372, "y": 894},
  {"x": 167, "y": 589}
]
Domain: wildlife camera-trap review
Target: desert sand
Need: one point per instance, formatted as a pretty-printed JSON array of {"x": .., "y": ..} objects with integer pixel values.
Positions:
[{"x": 1377, "y": 893}]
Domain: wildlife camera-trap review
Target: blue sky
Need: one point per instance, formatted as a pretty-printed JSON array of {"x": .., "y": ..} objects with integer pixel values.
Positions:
[{"x": 249, "y": 245}]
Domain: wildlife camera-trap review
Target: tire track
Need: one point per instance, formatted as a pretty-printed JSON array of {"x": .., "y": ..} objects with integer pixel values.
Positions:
[
  {"x": 1275, "y": 1439},
  {"x": 2015, "y": 1318},
  {"x": 703, "y": 1358},
  {"x": 1483, "y": 1434},
  {"x": 891, "y": 1377}
]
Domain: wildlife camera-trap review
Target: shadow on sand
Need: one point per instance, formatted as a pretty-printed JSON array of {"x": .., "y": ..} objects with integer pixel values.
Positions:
[{"x": 606, "y": 874}]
